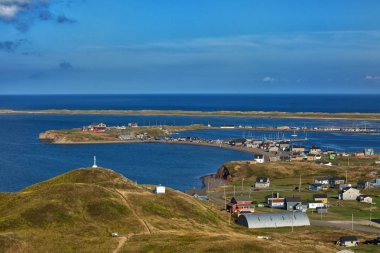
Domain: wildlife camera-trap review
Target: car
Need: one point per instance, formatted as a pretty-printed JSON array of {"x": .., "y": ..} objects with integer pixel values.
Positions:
[{"x": 375, "y": 241}]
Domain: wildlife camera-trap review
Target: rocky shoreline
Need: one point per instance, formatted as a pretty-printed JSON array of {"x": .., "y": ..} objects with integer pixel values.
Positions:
[{"x": 220, "y": 178}]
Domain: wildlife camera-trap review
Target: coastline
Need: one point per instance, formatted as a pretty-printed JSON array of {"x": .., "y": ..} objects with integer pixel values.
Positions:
[
  {"x": 210, "y": 182},
  {"x": 261, "y": 114},
  {"x": 254, "y": 151}
]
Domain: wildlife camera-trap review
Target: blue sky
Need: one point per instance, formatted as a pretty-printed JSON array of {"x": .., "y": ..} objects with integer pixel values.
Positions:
[{"x": 197, "y": 46}]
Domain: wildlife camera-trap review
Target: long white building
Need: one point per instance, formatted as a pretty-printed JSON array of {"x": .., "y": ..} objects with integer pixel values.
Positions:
[{"x": 274, "y": 220}]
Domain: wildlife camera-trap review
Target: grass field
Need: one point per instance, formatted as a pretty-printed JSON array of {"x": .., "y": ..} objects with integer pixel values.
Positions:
[
  {"x": 285, "y": 177},
  {"x": 78, "y": 211}
]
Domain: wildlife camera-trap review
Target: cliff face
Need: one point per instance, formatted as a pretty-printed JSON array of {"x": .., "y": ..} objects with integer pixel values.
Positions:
[
  {"x": 223, "y": 173},
  {"x": 48, "y": 136},
  {"x": 52, "y": 137}
]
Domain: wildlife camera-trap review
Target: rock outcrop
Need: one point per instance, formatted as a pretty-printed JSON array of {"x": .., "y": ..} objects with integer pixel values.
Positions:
[{"x": 223, "y": 173}]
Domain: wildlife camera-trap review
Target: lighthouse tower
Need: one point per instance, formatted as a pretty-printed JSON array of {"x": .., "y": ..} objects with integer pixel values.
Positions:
[{"x": 94, "y": 166}]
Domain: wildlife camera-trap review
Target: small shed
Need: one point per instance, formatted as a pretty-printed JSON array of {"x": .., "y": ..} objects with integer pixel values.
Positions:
[
  {"x": 274, "y": 220},
  {"x": 348, "y": 241},
  {"x": 160, "y": 189}
]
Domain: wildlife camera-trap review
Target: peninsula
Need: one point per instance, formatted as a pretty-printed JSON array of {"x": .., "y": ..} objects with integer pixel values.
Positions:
[{"x": 306, "y": 115}]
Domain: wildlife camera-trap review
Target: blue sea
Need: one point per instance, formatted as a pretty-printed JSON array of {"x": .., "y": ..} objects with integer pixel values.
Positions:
[
  {"x": 249, "y": 102},
  {"x": 25, "y": 160}
]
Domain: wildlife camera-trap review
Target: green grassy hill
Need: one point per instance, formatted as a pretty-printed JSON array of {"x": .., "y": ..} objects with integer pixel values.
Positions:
[{"x": 78, "y": 211}]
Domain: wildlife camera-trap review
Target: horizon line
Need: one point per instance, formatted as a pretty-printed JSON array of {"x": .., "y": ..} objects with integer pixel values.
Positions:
[{"x": 133, "y": 94}]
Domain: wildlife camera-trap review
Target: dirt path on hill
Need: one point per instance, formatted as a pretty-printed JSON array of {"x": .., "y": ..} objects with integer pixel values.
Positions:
[
  {"x": 145, "y": 224},
  {"x": 124, "y": 238},
  {"x": 122, "y": 241}
]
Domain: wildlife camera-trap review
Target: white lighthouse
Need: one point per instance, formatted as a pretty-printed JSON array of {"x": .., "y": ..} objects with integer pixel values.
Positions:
[{"x": 94, "y": 166}]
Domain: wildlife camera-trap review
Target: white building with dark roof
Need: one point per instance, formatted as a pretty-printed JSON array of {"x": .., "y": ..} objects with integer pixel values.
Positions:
[
  {"x": 349, "y": 193},
  {"x": 262, "y": 182}
]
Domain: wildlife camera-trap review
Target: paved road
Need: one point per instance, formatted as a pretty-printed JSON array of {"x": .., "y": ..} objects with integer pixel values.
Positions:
[{"x": 345, "y": 225}]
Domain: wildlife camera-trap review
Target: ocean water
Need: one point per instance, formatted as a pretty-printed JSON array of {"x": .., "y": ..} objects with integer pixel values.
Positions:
[
  {"x": 25, "y": 160},
  {"x": 249, "y": 102}
]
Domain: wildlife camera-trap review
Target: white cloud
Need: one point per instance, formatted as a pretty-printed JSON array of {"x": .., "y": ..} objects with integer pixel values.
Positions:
[
  {"x": 268, "y": 79},
  {"x": 8, "y": 12},
  {"x": 246, "y": 42},
  {"x": 9, "y": 9},
  {"x": 369, "y": 77}
]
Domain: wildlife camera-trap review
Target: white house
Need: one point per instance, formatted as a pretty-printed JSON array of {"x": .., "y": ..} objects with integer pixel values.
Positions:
[
  {"x": 259, "y": 159},
  {"x": 262, "y": 182},
  {"x": 322, "y": 180},
  {"x": 160, "y": 189},
  {"x": 315, "y": 204},
  {"x": 349, "y": 193},
  {"x": 348, "y": 241}
]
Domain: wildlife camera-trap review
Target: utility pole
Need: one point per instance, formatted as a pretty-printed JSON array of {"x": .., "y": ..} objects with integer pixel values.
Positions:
[
  {"x": 352, "y": 222},
  {"x": 346, "y": 177},
  {"x": 234, "y": 191},
  {"x": 370, "y": 213},
  {"x": 299, "y": 188},
  {"x": 242, "y": 185}
]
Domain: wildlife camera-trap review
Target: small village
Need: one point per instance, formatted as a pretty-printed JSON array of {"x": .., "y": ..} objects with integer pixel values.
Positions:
[
  {"x": 261, "y": 206},
  {"x": 278, "y": 149},
  {"x": 285, "y": 202}
]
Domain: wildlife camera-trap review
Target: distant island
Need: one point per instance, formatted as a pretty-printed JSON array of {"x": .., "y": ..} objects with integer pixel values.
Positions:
[{"x": 308, "y": 115}]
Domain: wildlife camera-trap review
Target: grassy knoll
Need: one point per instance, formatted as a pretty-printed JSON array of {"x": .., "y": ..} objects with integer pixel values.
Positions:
[{"x": 77, "y": 211}]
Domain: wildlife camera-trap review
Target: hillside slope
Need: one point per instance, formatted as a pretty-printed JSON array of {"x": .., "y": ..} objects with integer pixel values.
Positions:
[{"x": 78, "y": 211}]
